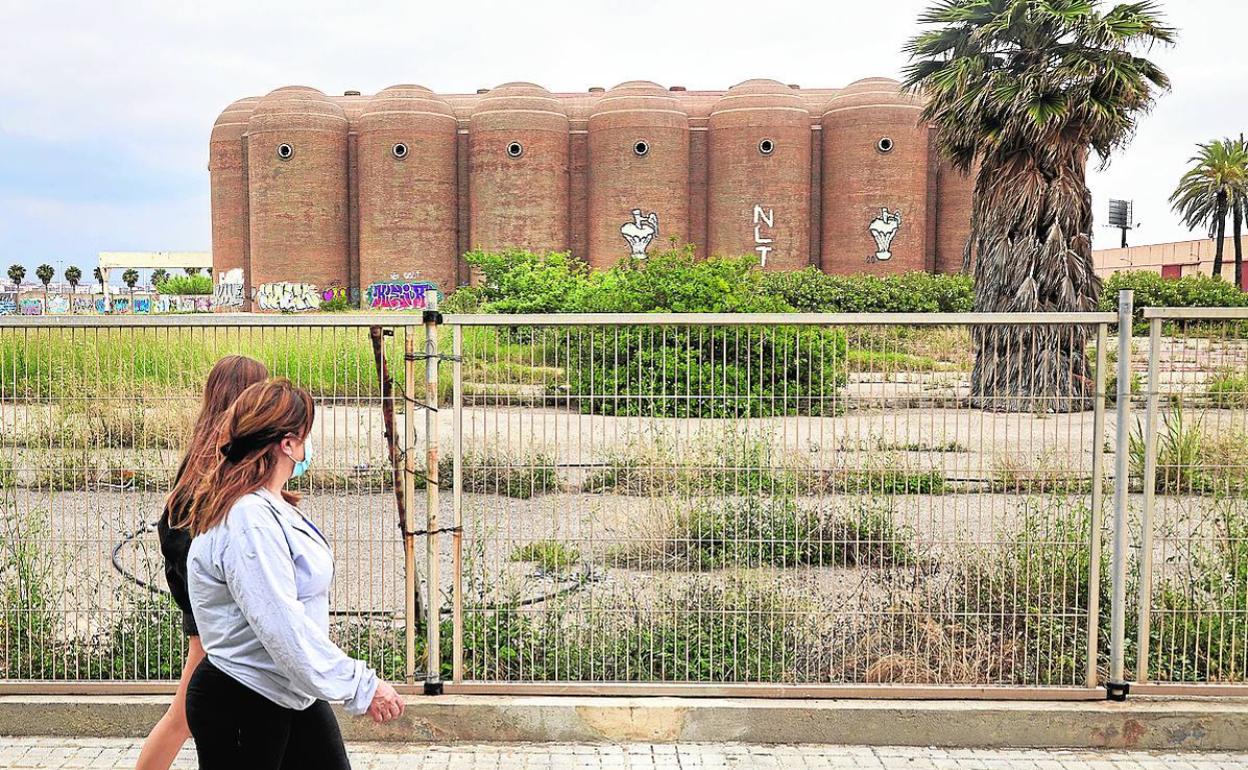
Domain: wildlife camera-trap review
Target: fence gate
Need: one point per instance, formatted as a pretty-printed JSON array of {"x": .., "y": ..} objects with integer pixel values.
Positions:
[{"x": 782, "y": 506}]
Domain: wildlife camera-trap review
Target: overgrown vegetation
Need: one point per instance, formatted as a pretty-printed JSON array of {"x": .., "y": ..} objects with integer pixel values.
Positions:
[
  {"x": 186, "y": 284},
  {"x": 1191, "y": 459},
  {"x": 550, "y": 556}
]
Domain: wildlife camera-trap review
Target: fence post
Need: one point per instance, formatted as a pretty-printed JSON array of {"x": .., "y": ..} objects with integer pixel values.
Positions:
[
  {"x": 433, "y": 610},
  {"x": 457, "y": 502},
  {"x": 1150, "y": 492},
  {"x": 409, "y": 500},
  {"x": 1117, "y": 687},
  {"x": 1098, "y": 503}
]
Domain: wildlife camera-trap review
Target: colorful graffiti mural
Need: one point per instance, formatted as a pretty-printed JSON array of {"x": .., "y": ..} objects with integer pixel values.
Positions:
[
  {"x": 8, "y": 303},
  {"x": 288, "y": 297},
  {"x": 58, "y": 304},
  {"x": 141, "y": 305},
  {"x": 402, "y": 295},
  {"x": 30, "y": 306}
]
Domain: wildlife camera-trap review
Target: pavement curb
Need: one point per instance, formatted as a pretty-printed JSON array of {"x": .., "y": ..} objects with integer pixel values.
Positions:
[{"x": 1141, "y": 723}]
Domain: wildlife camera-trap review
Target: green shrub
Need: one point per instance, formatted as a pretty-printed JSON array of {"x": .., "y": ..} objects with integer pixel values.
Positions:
[
  {"x": 740, "y": 631},
  {"x": 465, "y": 299},
  {"x": 1031, "y": 591},
  {"x": 339, "y": 304},
  {"x": 1191, "y": 460},
  {"x": 518, "y": 281},
  {"x": 769, "y": 531},
  {"x": 1151, "y": 290},
  {"x": 813, "y": 291},
  {"x": 1229, "y": 389},
  {"x": 185, "y": 284},
  {"x": 550, "y": 555},
  {"x": 1199, "y": 631}
]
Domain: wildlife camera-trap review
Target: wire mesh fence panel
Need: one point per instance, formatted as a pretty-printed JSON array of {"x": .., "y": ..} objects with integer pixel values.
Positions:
[
  {"x": 822, "y": 501},
  {"x": 1189, "y": 457},
  {"x": 94, "y": 418}
]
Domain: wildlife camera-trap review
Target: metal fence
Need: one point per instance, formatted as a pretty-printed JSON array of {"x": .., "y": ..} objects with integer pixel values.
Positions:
[{"x": 785, "y": 505}]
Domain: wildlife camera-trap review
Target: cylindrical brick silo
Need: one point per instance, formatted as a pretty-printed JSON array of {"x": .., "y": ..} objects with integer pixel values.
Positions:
[
  {"x": 955, "y": 193},
  {"x": 759, "y": 178},
  {"x": 518, "y": 170},
  {"x": 875, "y": 181},
  {"x": 297, "y": 179},
  {"x": 228, "y": 174},
  {"x": 406, "y": 151},
  {"x": 638, "y": 172}
]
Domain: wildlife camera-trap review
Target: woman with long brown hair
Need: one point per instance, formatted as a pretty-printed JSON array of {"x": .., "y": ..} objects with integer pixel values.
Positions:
[
  {"x": 228, "y": 378},
  {"x": 259, "y": 573}
]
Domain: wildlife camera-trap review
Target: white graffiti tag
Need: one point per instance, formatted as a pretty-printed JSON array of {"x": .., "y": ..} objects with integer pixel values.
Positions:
[
  {"x": 640, "y": 232},
  {"x": 883, "y": 229},
  {"x": 762, "y": 240},
  {"x": 229, "y": 289},
  {"x": 288, "y": 297}
]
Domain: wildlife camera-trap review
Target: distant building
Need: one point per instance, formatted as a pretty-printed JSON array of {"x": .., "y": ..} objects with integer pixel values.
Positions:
[{"x": 1172, "y": 260}]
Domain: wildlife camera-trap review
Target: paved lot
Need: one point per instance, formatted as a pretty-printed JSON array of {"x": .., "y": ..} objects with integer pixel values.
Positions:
[{"x": 110, "y": 754}]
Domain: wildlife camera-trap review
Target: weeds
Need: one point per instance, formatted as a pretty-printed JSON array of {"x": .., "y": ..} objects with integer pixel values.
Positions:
[{"x": 551, "y": 556}]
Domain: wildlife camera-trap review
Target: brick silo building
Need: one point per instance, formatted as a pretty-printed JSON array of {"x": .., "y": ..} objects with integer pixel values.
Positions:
[{"x": 377, "y": 198}]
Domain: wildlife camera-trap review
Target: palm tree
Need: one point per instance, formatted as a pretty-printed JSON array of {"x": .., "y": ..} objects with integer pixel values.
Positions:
[
  {"x": 159, "y": 276},
  {"x": 130, "y": 278},
  {"x": 73, "y": 274},
  {"x": 45, "y": 273},
  {"x": 1216, "y": 185},
  {"x": 191, "y": 270},
  {"x": 1025, "y": 91},
  {"x": 16, "y": 274},
  {"x": 99, "y": 277}
]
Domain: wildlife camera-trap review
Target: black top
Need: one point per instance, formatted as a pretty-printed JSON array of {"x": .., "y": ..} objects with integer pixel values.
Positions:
[{"x": 174, "y": 546}]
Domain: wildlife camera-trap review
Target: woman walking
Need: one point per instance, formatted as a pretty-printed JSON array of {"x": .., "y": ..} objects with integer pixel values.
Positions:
[
  {"x": 228, "y": 378},
  {"x": 259, "y": 574}
]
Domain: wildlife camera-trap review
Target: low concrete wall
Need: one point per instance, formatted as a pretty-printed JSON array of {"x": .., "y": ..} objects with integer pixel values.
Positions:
[{"x": 1206, "y": 725}]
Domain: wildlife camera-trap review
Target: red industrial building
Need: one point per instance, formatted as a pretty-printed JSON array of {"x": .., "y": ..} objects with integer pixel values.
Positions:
[{"x": 316, "y": 197}]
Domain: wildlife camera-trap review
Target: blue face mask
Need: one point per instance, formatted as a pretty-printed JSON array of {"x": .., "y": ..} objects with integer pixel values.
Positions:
[{"x": 301, "y": 466}]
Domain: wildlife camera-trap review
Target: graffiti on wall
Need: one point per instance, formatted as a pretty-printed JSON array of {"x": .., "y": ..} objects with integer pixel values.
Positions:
[
  {"x": 402, "y": 295},
  {"x": 884, "y": 229},
  {"x": 288, "y": 297},
  {"x": 8, "y": 303},
  {"x": 640, "y": 232},
  {"x": 229, "y": 289},
  {"x": 30, "y": 306},
  {"x": 58, "y": 304},
  {"x": 83, "y": 304},
  {"x": 141, "y": 305},
  {"x": 121, "y": 305},
  {"x": 762, "y": 238}
]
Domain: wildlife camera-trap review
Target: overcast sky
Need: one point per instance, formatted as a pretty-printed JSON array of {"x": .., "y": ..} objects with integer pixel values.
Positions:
[{"x": 105, "y": 107}]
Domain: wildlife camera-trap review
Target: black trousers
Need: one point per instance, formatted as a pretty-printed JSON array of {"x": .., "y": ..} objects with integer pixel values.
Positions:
[{"x": 236, "y": 728}]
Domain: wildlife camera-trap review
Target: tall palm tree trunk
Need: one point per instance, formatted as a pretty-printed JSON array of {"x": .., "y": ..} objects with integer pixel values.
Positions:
[
  {"x": 1237, "y": 219},
  {"x": 1030, "y": 233},
  {"x": 1219, "y": 234}
]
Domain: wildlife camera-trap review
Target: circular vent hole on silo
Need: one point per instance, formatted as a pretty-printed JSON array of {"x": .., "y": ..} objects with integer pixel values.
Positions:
[
  {"x": 399, "y": 151},
  {"x": 514, "y": 150},
  {"x": 885, "y": 144},
  {"x": 766, "y": 147},
  {"x": 641, "y": 147},
  {"x": 285, "y": 151}
]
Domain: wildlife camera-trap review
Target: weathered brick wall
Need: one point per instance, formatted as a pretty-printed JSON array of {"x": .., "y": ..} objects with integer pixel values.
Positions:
[{"x": 342, "y": 212}]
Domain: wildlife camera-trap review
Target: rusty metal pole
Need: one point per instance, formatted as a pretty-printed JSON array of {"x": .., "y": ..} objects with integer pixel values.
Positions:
[
  {"x": 433, "y": 651},
  {"x": 409, "y": 498}
]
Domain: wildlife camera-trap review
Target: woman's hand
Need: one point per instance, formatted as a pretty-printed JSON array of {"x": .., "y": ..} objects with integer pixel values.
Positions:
[{"x": 387, "y": 705}]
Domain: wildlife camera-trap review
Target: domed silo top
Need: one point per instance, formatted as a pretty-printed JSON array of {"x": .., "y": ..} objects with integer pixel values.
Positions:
[
  {"x": 404, "y": 106},
  {"x": 873, "y": 92},
  {"x": 640, "y": 103},
  {"x": 297, "y": 107},
  {"x": 759, "y": 96},
  {"x": 520, "y": 106},
  {"x": 231, "y": 124}
]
